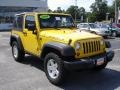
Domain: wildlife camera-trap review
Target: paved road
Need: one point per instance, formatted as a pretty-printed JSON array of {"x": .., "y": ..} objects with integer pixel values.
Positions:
[{"x": 29, "y": 75}]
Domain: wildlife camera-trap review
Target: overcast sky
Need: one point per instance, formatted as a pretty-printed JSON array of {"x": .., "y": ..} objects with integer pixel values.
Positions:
[{"x": 64, "y": 4}]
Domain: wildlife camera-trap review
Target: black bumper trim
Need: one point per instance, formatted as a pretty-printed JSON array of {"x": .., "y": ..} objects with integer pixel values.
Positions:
[{"x": 89, "y": 62}]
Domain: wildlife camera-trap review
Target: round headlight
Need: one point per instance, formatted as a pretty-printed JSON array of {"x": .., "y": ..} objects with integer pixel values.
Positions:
[
  {"x": 77, "y": 46},
  {"x": 101, "y": 42}
]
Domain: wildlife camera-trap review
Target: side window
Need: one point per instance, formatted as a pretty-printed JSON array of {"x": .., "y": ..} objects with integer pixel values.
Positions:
[
  {"x": 30, "y": 22},
  {"x": 15, "y": 23},
  {"x": 85, "y": 26},
  {"x": 18, "y": 23}
]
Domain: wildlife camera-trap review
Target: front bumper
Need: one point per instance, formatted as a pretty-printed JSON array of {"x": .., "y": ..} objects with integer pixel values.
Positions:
[{"x": 88, "y": 63}]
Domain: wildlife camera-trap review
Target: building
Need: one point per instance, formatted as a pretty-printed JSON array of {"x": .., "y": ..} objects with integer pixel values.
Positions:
[{"x": 8, "y": 8}]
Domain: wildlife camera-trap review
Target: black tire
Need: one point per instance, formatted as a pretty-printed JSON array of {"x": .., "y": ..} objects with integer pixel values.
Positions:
[
  {"x": 114, "y": 34},
  {"x": 20, "y": 54},
  {"x": 62, "y": 72},
  {"x": 101, "y": 67}
]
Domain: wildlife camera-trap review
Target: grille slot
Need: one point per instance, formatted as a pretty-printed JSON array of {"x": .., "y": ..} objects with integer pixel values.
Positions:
[{"x": 91, "y": 46}]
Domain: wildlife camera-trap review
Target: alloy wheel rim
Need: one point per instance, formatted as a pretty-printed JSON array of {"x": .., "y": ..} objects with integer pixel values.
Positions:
[
  {"x": 114, "y": 34},
  {"x": 52, "y": 68},
  {"x": 15, "y": 51}
]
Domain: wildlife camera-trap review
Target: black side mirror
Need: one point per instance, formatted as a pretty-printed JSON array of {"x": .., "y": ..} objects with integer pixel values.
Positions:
[
  {"x": 107, "y": 44},
  {"x": 32, "y": 27}
]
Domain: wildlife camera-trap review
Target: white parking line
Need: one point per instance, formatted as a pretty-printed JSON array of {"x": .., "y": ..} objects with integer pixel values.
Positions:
[{"x": 116, "y": 49}]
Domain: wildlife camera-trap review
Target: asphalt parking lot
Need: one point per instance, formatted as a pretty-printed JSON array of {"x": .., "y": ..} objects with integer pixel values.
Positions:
[{"x": 29, "y": 75}]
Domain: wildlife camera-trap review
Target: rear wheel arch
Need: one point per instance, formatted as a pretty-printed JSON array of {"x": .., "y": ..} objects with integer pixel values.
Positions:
[
  {"x": 12, "y": 39},
  {"x": 18, "y": 40}
]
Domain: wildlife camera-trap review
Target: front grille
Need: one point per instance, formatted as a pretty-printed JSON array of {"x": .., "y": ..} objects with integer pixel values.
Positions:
[{"x": 91, "y": 46}]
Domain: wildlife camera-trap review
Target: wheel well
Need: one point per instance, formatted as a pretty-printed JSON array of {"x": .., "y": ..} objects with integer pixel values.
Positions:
[
  {"x": 48, "y": 50},
  {"x": 11, "y": 40}
]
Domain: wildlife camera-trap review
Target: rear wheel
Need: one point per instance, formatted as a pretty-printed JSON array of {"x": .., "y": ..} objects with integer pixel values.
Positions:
[
  {"x": 54, "y": 68},
  {"x": 18, "y": 54}
]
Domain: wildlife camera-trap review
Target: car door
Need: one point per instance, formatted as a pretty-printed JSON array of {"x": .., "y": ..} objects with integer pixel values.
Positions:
[
  {"x": 85, "y": 27},
  {"x": 30, "y": 36}
]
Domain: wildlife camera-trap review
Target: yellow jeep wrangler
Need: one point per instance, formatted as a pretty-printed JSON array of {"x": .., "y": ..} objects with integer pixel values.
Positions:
[{"x": 55, "y": 39}]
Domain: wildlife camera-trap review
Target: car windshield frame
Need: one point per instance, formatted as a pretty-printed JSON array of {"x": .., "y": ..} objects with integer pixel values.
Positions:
[{"x": 55, "y": 21}]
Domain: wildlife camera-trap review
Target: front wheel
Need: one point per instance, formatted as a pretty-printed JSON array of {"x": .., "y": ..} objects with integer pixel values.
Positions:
[
  {"x": 101, "y": 67},
  {"x": 114, "y": 34},
  {"x": 54, "y": 68},
  {"x": 16, "y": 52}
]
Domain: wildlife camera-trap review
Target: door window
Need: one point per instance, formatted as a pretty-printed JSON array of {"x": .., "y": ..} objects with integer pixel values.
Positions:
[
  {"x": 18, "y": 23},
  {"x": 30, "y": 23}
]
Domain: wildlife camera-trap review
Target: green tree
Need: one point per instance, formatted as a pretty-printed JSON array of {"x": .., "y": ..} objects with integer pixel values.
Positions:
[
  {"x": 99, "y": 9},
  {"x": 59, "y": 10},
  {"x": 80, "y": 12},
  {"x": 111, "y": 9},
  {"x": 49, "y": 10},
  {"x": 118, "y": 3},
  {"x": 72, "y": 10},
  {"x": 91, "y": 17},
  {"x": 111, "y": 12}
]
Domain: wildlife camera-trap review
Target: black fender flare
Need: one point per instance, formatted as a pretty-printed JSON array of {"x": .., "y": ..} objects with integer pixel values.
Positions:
[
  {"x": 18, "y": 40},
  {"x": 64, "y": 49},
  {"x": 107, "y": 44}
]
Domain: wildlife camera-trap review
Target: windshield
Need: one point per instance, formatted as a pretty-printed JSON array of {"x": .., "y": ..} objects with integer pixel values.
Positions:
[
  {"x": 55, "y": 21},
  {"x": 102, "y": 26},
  {"x": 86, "y": 25}
]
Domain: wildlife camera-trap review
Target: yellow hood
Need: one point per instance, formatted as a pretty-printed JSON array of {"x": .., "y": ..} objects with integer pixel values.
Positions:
[{"x": 67, "y": 34}]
